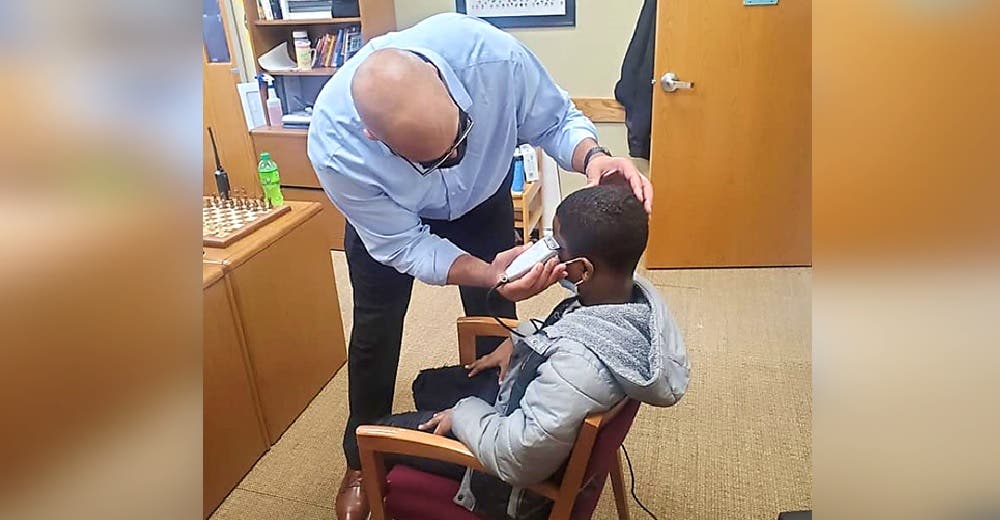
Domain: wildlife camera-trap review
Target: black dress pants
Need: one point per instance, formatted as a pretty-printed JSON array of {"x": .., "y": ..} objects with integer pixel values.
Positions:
[{"x": 382, "y": 296}]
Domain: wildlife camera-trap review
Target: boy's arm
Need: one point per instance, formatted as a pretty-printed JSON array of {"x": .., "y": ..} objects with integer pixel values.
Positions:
[{"x": 529, "y": 445}]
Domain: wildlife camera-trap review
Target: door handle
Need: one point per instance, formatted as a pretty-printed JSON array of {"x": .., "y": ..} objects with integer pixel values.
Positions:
[{"x": 670, "y": 83}]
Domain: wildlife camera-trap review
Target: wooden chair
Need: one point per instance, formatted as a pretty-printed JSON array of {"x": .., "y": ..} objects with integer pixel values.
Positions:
[{"x": 409, "y": 494}]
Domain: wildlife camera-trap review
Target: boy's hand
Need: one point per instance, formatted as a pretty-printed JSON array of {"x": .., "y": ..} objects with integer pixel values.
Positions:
[
  {"x": 500, "y": 357},
  {"x": 440, "y": 422}
]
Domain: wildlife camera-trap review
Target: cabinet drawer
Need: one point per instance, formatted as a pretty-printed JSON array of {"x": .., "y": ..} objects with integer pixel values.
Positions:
[
  {"x": 288, "y": 149},
  {"x": 332, "y": 219}
]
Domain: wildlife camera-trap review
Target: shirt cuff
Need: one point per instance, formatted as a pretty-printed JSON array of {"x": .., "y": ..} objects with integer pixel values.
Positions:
[
  {"x": 571, "y": 139},
  {"x": 443, "y": 256}
]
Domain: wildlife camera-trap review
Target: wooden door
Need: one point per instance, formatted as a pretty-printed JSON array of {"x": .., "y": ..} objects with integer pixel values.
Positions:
[
  {"x": 222, "y": 109},
  {"x": 731, "y": 157}
]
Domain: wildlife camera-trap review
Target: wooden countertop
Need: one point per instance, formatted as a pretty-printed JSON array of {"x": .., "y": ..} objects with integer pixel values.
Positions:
[
  {"x": 242, "y": 250},
  {"x": 210, "y": 273}
]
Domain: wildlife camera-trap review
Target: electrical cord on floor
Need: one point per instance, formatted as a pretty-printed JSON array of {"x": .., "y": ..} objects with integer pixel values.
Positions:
[{"x": 631, "y": 476}]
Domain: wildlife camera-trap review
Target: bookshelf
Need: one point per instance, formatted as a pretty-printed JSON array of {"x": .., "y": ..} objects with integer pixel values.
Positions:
[
  {"x": 297, "y": 23},
  {"x": 279, "y": 131},
  {"x": 315, "y": 71},
  {"x": 287, "y": 146}
]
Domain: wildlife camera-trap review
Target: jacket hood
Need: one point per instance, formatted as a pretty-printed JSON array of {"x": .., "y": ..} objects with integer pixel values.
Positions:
[{"x": 639, "y": 342}]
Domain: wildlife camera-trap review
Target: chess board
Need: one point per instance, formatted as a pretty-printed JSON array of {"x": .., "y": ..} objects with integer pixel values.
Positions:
[{"x": 224, "y": 221}]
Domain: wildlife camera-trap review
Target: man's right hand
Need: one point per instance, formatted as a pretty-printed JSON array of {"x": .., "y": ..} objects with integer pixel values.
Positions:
[
  {"x": 533, "y": 282},
  {"x": 500, "y": 357}
]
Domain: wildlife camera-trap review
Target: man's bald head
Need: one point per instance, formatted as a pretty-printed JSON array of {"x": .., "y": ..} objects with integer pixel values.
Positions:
[{"x": 403, "y": 103}]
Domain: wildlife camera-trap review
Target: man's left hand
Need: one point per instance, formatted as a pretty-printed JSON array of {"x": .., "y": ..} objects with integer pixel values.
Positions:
[
  {"x": 440, "y": 423},
  {"x": 627, "y": 171}
]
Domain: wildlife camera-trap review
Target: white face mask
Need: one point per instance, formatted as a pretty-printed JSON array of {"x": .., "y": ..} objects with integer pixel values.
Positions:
[
  {"x": 573, "y": 288},
  {"x": 569, "y": 286}
]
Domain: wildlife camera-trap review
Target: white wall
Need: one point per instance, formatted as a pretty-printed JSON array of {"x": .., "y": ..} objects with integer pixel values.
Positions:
[{"x": 585, "y": 60}]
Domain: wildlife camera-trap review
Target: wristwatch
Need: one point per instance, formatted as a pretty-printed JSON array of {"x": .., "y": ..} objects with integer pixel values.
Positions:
[{"x": 590, "y": 155}]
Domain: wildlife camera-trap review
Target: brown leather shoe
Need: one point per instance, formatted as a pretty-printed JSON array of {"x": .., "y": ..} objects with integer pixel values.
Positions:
[{"x": 352, "y": 503}]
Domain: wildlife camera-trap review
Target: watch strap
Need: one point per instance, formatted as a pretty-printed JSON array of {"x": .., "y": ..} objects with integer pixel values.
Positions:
[{"x": 590, "y": 155}]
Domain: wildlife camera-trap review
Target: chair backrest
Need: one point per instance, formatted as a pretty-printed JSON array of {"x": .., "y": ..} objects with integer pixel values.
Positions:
[{"x": 610, "y": 437}]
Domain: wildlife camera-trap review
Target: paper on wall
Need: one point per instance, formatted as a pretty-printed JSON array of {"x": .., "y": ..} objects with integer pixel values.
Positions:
[{"x": 277, "y": 59}]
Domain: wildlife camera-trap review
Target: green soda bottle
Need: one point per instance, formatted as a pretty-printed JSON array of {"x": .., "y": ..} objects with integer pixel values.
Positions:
[{"x": 269, "y": 180}]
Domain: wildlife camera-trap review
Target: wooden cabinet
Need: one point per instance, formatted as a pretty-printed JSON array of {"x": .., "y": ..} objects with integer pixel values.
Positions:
[
  {"x": 286, "y": 296},
  {"x": 233, "y": 432},
  {"x": 528, "y": 205},
  {"x": 528, "y": 209},
  {"x": 273, "y": 339}
]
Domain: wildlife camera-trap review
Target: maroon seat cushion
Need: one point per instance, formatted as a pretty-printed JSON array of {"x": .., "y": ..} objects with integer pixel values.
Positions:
[{"x": 414, "y": 495}]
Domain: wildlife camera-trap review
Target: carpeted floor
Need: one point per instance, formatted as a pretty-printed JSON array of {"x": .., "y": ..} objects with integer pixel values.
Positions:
[{"x": 736, "y": 447}]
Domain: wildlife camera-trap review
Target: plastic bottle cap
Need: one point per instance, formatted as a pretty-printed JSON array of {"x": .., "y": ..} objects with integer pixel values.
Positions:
[
  {"x": 300, "y": 34},
  {"x": 265, "y": 156}
]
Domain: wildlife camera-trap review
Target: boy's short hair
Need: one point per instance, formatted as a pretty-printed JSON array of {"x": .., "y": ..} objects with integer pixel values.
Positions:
[{"x": 606, "y": 224}]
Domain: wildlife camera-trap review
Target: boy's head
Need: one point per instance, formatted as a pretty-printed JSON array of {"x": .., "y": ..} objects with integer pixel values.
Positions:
[{"x": 607, "y": 226}]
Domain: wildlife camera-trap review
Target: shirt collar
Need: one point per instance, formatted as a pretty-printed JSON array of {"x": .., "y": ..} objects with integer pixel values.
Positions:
[{"x": 455, "y": 85}]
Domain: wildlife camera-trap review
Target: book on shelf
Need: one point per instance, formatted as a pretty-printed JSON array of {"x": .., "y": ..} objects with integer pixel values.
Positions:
[
  {"x": 352, "y": 42},
  {"x": 264, "y": 10},
  {"x": 338, "y": 48},
  {"x": 306, "y": 9},
  {"x": 328, "y": 51},
  {"x": 269, "y": 10},
  {"x": 320, "y": 48},
  {"x": 324, "y": 55}
]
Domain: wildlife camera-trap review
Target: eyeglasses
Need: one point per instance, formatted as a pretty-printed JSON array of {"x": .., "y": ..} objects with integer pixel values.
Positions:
[
  {"x": 426, "y": 168},
  {"x": 465, "y": 124}
]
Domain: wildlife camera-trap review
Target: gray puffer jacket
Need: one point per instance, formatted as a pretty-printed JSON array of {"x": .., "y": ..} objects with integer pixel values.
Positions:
[{"x": 582, "y": 362}]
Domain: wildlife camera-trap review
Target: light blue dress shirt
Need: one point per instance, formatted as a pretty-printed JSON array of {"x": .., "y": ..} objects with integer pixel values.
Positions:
[{"x": 507, "y": 93}]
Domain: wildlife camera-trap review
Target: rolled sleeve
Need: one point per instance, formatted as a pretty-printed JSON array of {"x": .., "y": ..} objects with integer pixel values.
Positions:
[
  {"x": 444, "y": 254},
  {"x": 546, "y": 114}
]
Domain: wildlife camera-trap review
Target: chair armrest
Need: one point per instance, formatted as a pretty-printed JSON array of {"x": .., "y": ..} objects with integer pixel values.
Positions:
[
  {"x": 375, "y": 441},
  {"x": 470, "y": 328},
  {"x": 402, "y": 441}
]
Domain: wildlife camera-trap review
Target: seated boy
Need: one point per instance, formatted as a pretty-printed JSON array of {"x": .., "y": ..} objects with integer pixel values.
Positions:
[{"x": 613, "y": 339}]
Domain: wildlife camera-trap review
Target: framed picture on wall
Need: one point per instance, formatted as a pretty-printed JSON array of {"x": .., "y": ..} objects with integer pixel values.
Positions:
[{"x": 512, "y": 14}]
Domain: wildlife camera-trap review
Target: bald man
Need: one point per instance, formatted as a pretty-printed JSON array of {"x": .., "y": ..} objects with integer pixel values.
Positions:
[{"x": 412, "y": 140}]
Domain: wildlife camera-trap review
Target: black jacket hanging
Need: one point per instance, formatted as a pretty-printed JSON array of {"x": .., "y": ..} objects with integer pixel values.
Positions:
[{"x": 635, "y": 88}]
